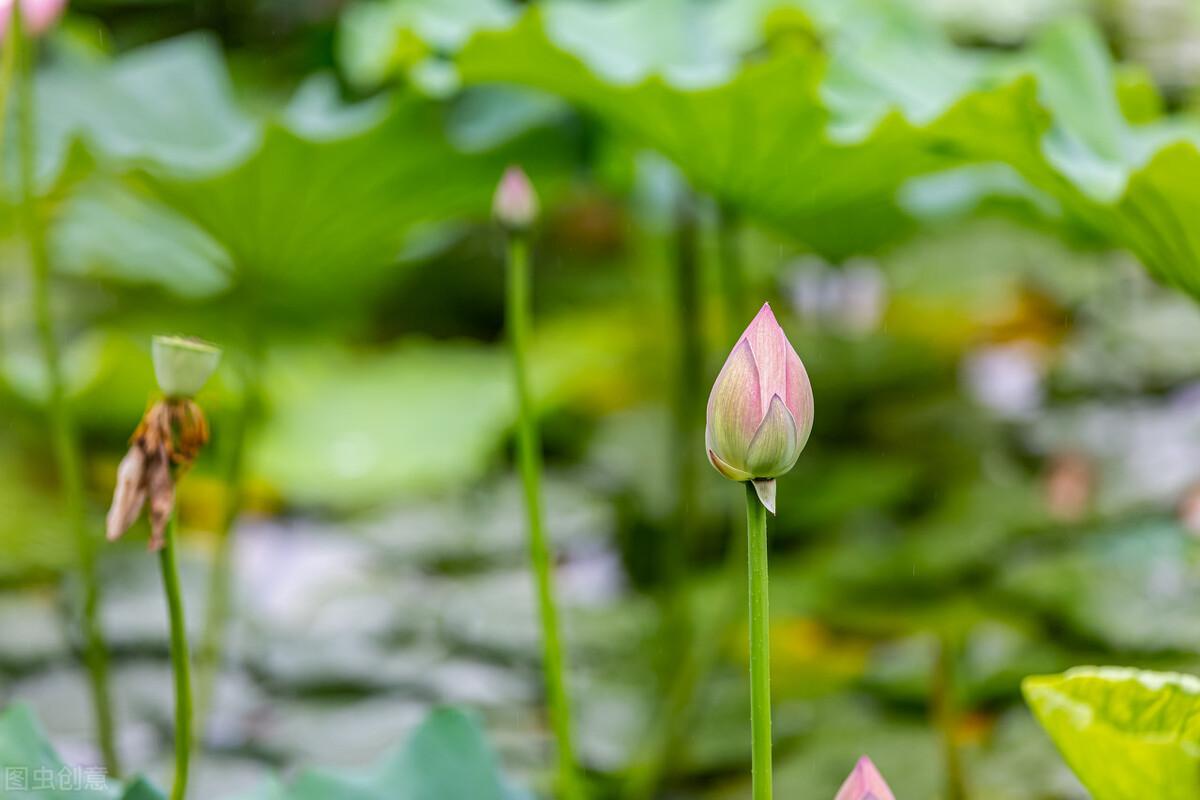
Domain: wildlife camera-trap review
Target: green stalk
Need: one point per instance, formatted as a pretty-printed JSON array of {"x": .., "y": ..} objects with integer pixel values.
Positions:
[
  {"x": 529, "y": 456},
  {"x": 760, "y": 645},
  {"x": 64, "y": 441},
  {"x": 945, "y": 710},
  {"x": 209, "y": 656},
  {"x": 689, "y": 402},
  {"x": 8, "y": 65},
  {"x": 668, "y": 732},
  {"x": 180, "y": 665},
  {"x": 733, "y": 282}
]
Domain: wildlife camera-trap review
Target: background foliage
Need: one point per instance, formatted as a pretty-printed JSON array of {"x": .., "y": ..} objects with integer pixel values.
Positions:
[{"x": 977, "y": 227}]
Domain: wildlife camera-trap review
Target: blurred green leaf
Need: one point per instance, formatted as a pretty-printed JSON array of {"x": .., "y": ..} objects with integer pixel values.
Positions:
[
  {"x": 810, "y": 142},
  {"x": 378, "y": 39},
  {"x": 758, "y": 136},
  {"x": 447, "y": 757},
  {"x": 25, "y": 752},
  {"x": 1134, "y": 587},
  {"x": 1126, "y": 733},
  {"x": 320, "y": 211},
  {"x": 350, "y": 430},
  {"x": 169, "y": 102},
  {"x": 106, "y": 232},
  {"x": 306, "y": 211}
]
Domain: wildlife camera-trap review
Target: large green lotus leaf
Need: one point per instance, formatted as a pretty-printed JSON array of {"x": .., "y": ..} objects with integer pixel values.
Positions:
[
  {"x": 1127, "y": 734},
  {"x": 377, "y": 39},
  {"x": 351, "y": 430},
  {"x": 29, "y": 767},
  {"x": 321, "y": 210},
  {"x": 445, "y": 759},
  {"x": 106, "y": 232},
  {"x": 306, "y": 208},
  {"x": 818, "y": 141},
  {"x": 169, "y": 102},
  {"x": 759, "y": 136}
]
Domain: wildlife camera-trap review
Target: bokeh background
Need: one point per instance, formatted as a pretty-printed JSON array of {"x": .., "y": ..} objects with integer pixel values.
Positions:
[{"x": 1004, "y": 473}]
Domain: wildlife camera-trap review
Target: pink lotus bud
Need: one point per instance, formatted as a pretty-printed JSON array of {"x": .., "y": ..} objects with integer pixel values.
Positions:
[
  {"x": 515, "y": 205},
  {"x": 37, "y": 16},
  {"x": 760, "y": 411},
  {"x": 865, "y": 783}
]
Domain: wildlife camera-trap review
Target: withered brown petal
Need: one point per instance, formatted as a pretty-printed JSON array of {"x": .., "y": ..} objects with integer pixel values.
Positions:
[
  {"x": 129, "y": 495},
  {"x": 161, "y": 492}
]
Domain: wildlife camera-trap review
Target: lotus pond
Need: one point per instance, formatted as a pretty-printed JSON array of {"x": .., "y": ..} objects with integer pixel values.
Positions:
[{"x": 364, "y": 367}]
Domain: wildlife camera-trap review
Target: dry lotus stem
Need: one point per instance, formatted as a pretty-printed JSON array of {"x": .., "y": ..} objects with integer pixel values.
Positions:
[{"x": 166, "y": 442}]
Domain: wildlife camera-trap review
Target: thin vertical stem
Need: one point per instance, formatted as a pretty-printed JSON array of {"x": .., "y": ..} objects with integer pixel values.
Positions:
[
  {"x": 666, "y": 734},
  {"x": 530, "y": 459},
  {"x": 760, "y": 645},
  {"x": 689, "y": 393},
  {"x": 8, "y": 64},
  {"x": 945, "y": 710},
  {"x": 733, "y": 280},
  {"x": 180, "y": 663},
  {"x": 64, "y": 441},
  {"x": 209, "y": 656}
]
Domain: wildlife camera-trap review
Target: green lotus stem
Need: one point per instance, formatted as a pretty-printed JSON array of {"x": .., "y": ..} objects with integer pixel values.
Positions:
[
  {"x": 689, "y": 409},
  {"x": 945, "y": 712},
  {"x": 210, "y": 654},
  {"x": 733, "y": 279},
  {"x": 760, "y": 645},
  {"x": 180, "y": 662},
  {"x": 8, "y": 64},
  {"x": 667, "y": 734},
  {"x": 64, "y": 441},
  {"x": 529, "y": 456}
]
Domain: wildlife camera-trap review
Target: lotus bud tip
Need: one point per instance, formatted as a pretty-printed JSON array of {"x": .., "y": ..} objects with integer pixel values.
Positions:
[
  {"x": 37, "y": 16},
  {"x": 865, "y": 783},
  {"x": 515, "y": 205}
]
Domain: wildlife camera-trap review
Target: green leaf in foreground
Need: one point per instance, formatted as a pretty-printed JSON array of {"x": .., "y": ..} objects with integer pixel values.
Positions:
[
  {"x": 1127, "y": 734},
  {"x": 447, "y": 758},
  {"x": 28, "y": 761}
]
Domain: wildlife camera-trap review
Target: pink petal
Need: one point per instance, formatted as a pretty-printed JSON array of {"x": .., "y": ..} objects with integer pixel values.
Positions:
[
  {"x": 734, "y": 407},
  {"x": 773, "y": 451},
  {"x": 865, "y": 783},
  {"x": 799, "y": 397},
  {"x": 770, "y": 348}
]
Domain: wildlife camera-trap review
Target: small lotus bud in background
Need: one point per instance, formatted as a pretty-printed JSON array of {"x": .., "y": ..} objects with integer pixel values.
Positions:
[
  {"x": 515, "y": 205},
  {"x": 37, "y": 16},
  {"x": 760, "y": 411},
  {"x": 182, "y": 366},
  {"x": 865, "y": 783}
]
